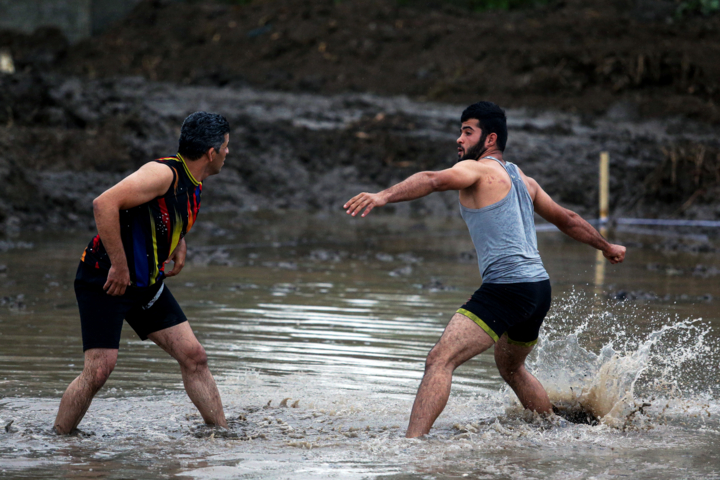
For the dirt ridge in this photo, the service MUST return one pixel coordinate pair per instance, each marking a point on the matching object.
(575, 55)
(642, 88)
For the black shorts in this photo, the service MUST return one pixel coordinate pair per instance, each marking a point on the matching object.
(147, 309)
(517, 309)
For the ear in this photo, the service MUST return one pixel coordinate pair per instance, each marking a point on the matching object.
(210, 153)
(491, 140)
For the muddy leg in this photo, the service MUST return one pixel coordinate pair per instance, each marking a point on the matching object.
(180, 342)
(462, 340)
(510, 360)
(99, 363)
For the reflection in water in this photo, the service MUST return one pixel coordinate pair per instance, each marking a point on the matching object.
(318, 346)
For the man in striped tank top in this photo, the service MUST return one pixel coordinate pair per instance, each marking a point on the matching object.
(142, 222)
(498, 202)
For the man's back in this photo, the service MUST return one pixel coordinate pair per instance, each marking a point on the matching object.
(493, 183)
(503, 231)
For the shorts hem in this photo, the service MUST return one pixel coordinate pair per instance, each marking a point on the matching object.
(144, 335)
(480, 323)
(110, 347)
(521, 344)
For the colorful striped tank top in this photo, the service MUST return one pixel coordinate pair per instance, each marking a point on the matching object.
(151, 231)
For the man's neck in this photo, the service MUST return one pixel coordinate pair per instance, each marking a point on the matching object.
(198, 168)
(495, 153)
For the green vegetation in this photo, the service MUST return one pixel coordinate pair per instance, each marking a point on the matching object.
(472, 5)
(695, 7)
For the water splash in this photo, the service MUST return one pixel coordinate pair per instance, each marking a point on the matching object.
(612, 360)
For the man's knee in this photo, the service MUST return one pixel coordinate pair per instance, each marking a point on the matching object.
(506, 373)
(510, 360)
(437, 359)
(510, 373)
(97, 373)
(194, 358)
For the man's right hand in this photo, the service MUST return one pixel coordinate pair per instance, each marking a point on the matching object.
(614, 253)
(364, 200)
(117, 281)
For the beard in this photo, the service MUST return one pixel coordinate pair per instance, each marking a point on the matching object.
(476, 151)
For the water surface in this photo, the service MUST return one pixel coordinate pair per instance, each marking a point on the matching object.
(317, 328)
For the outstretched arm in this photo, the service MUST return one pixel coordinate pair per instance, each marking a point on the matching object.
(462, 175)
(572, 224)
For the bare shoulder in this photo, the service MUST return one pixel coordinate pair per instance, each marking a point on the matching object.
(153, 179)
(468, 165)
(522, 174)
(478, 169)
(156, 169)
(149, 181)
(530, 183)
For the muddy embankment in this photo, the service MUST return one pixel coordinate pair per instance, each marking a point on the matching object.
(75, 119)
(68, 139)
(571, 55)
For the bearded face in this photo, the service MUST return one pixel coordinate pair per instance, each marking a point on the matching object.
(474, 152)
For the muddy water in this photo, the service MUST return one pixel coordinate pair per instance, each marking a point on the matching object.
(317, 328)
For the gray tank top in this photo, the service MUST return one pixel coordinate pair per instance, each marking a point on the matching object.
(504, 235)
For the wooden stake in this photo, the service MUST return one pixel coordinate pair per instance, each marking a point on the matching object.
(604, 186)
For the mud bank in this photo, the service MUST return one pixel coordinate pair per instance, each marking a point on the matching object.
(572, 55)
(312, 152)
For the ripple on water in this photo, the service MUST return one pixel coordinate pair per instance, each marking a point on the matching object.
(320, 386)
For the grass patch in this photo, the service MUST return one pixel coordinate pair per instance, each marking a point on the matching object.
(697, 7)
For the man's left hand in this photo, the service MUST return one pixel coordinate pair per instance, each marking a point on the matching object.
(615, 253)
(178, 257)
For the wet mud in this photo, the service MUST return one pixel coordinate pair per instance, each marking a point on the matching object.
(313, 152)
(634, 58)
(642, 295)
(311, 91)
(575, 414)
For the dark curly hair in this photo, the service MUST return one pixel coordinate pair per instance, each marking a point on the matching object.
(201, 131)
(491, 119)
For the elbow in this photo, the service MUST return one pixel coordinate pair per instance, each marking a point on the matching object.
(435, 181)
(100, 204)
(568, 220)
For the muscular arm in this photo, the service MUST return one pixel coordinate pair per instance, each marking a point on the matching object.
(150, 181)
(462, 175)
(572, 224)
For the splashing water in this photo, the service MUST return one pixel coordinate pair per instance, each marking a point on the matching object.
(643, 358)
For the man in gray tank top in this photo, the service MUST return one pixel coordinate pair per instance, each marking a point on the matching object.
(497, 201)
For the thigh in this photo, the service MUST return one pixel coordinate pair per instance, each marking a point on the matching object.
(101, 315)
(157, 312)
(510, 356)
(179, 341)
(461, 340)
(526, 334)
(496, 308)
